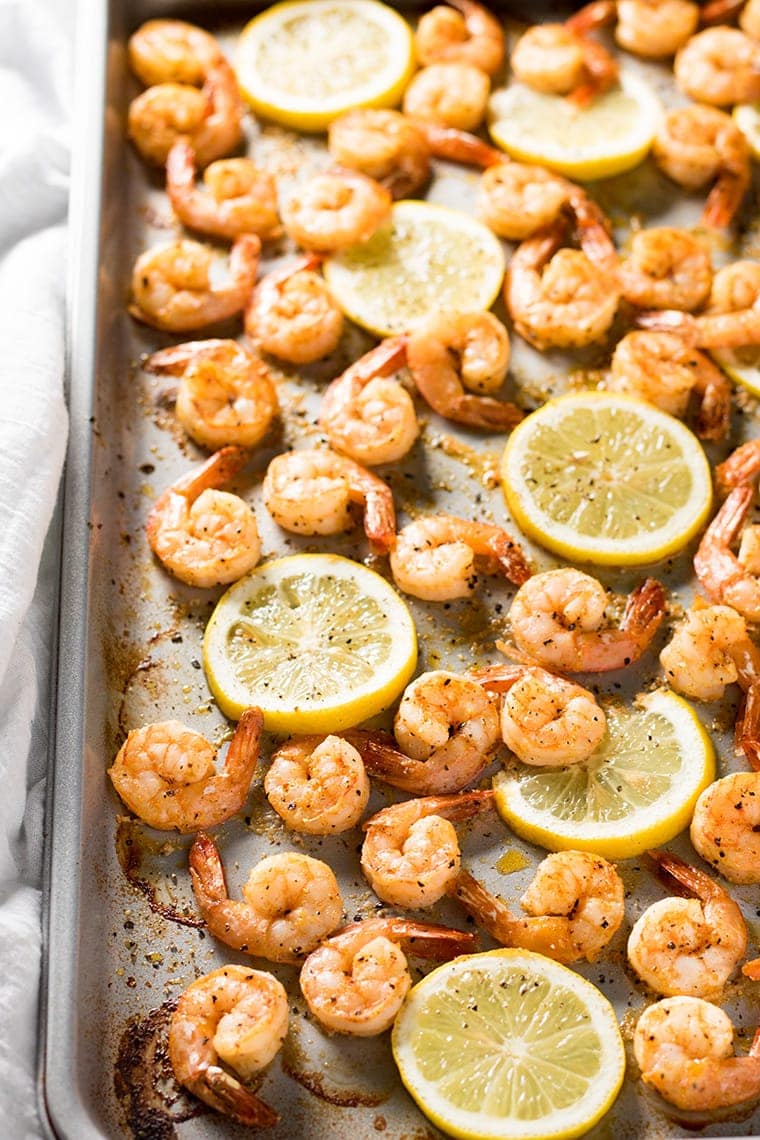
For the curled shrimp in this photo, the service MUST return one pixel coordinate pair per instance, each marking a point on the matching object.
(225, 395)
(237, 197)
(463, 32)
(741, 468)
(726, 576)
(725, 828)
(545, 719)
(732, 316)
(335, 209)
(356, 981)
(659, 368)
(204, 536)
(290, 902)
(449, 352)
(292, 315)
(557, 621)
(317, 784)
(234, 1017)
(410, 853)
(710, 649)
(696, 146)
(165, 774)
(688, 945)
(172, 51)
(667, 269)
(366, 413)
(516, 200)
(720, 66)
(653, 29)
(574, 907)
(172, 288)
(684, 1047)
(437, 558)
(312, 492)
(561, 59)
(450, 94)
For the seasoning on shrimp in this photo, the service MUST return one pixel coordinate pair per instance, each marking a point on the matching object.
(563, 59)
(516, 200)
(731, 579)
(451, 94)
(732, 316)
(335, 209)
(317, 784)
(291, 313)
(462, 31)
(667, 268)
(725, 828)
(237, 197)
(719, 66)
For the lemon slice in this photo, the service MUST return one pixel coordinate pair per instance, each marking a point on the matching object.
(610, 135)
(747, 119)
(426, 259)
(741, 364)
(509, 1044)
(304, 62)
(318, 642)
(606, 478)
(636, 791)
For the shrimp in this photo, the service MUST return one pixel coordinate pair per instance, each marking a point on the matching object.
(366, 413)
(237, 198)
(557, 616)
(720, 66)
(447, 727)
(741, 468)
(292, 314)
(204, 536)
(688, 945)
(317, 784)
(172, 51)
(356, 981)
(545, 719)
(450, 351)
(699, 145)
(725, 828)
(721, 572)
(732, 316)
(659, 368)
(225, 395)
(655, 29)
(311, 492)
(450, 94)
(410, 853)
(562, 60)
(709, 650)
(165, 774)
(436, 558)
(172, 288)
(749, 19)
(335, 209)
(290, 902)
(575, 905)
(667, 269)
(236, 1016)
(516, 200)
(462, 32)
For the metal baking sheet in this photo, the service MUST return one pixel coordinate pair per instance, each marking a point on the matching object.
(122, 936)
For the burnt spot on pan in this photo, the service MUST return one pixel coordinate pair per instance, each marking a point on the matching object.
(134, 851)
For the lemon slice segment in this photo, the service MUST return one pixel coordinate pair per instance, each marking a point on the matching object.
(425, 260)
(610, 135)
(747, 119)
(636, 791)
(606, 478)
(318, 642)
(509, 1044)
(741, 364)
(304, 62)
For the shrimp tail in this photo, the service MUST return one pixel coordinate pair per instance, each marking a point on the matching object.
(593, 231)
(725, 198)
(644, 612)
(421, 777)
(461, 805)
(489, 911)
(243, 752)
(497, 678)
(207, 872)
(244, 258)
(718, 12)
(594, 15)
(459, 146)
(670, 320)
(747, 735)
(714, 416)
(741, 468)
(713, 562)
(176, 358)
(478, 411)
(225, 1093)
(431, 941)
(691, 880)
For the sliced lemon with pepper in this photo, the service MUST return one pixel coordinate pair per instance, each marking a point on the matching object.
(304, 62)
(509, 1045)
(317, 641)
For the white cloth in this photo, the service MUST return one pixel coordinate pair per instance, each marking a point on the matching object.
(36, 39)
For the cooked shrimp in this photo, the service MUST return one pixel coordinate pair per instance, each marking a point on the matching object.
(210, 119)
(237, 198)
(655, 29)
(516, 200)
(450, 351)
(749, 19)
(469, 34)
(335, 209)
(741, 468)
(172, 288)
(721, 572)
(290, 902)
(667, 269)
(165, 774)
(204, 536)
(699, 145)
(709, 650)
(720, 66)
(356, 981)
(545, 719)
(450, 94)
(732, 317)
(562, 60)
(366, 413)
(725, 829)
(172, 51)
(411, 852)
(317, 784)
(437, 558)
(752, 969)
(225, 395)
(236, 1016)
(688, 945)
(575, 905)
(312, 491)
(292, 314)
(557, 618)
(659, 368)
